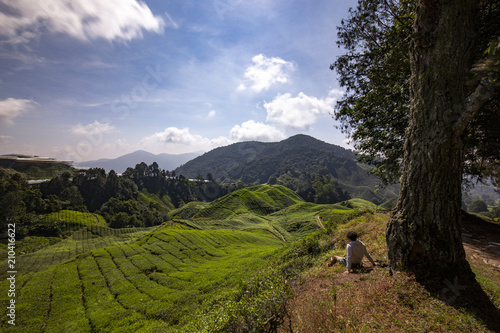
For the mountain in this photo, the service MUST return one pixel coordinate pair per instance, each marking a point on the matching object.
(120, 164)
(292, 162)
(255, 162)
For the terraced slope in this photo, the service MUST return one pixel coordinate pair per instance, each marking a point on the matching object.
(259, 200)
(81, 241)
(153, 280)
(148, 284)
(272, 208)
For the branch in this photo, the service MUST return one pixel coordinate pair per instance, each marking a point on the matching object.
(476, 100)
(395, 15)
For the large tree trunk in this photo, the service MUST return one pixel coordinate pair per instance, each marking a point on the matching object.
(424, 233)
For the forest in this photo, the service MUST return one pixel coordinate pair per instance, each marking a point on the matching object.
(141, 197)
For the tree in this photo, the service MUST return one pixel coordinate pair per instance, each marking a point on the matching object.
(73, 196)
(418, 75)
(120, 220)
(91, 183)
(11, 199)
(375, 71)
(327, 190)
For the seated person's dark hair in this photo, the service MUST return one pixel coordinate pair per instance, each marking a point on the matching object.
(352, 235)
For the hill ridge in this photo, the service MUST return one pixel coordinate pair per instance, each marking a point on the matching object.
(293, 162)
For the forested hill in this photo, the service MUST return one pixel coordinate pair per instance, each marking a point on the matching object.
(295, 162)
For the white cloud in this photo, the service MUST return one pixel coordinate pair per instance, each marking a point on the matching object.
(211, 114)
(82, 19)
(171, 22)
(92, 129)
(11, 108)
(5, 138)
(173, 135)
(299, 112)
(265, 72)
(175, 138)
(251, 130)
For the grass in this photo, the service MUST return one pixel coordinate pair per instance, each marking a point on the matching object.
(376, 303)
(253, 269)
(81, 241)
(151, 283)
(489, 279)
(325, 300)
(154, 279)
(274, 209)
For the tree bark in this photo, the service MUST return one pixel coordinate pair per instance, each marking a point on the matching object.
(424, 233)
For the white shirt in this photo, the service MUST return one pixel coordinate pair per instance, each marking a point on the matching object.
(355, 252)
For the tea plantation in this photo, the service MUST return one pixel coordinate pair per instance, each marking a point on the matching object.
(155, 279)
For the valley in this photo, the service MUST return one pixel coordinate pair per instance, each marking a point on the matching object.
(151, 250)
(150, 279)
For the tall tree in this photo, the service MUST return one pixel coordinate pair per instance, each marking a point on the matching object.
(423, 235)
(417, 78)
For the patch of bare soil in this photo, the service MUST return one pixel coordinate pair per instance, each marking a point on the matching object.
(481, 240)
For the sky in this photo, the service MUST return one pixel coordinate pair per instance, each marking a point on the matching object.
(88, 79)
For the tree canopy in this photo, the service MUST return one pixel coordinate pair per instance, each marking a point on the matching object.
(421, 104)
(375, 73)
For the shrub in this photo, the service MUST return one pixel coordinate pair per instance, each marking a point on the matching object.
(478, 206)
(259, 306)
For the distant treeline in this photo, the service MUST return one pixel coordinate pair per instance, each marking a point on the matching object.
(140, 197)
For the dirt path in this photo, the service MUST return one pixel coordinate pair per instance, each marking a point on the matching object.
(320, 222)
(279, 233)
(481, 240)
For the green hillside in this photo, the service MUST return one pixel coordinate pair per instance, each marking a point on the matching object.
(260, 200)
(273, 208)
(154, 279)
(151, 283)
(256, 162)
(294, 162)
(80, 241)
(224, 266)
(75, 220)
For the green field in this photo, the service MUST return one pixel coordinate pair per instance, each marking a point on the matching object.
(154, 279)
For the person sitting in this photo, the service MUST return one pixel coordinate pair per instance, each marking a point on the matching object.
(355, 250)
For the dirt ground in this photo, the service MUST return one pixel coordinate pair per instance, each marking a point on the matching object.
(481, 240)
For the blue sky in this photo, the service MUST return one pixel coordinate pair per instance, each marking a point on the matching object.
(91, 79)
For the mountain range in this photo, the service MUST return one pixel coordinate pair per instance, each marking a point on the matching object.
(120, 164)
(292, 162)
